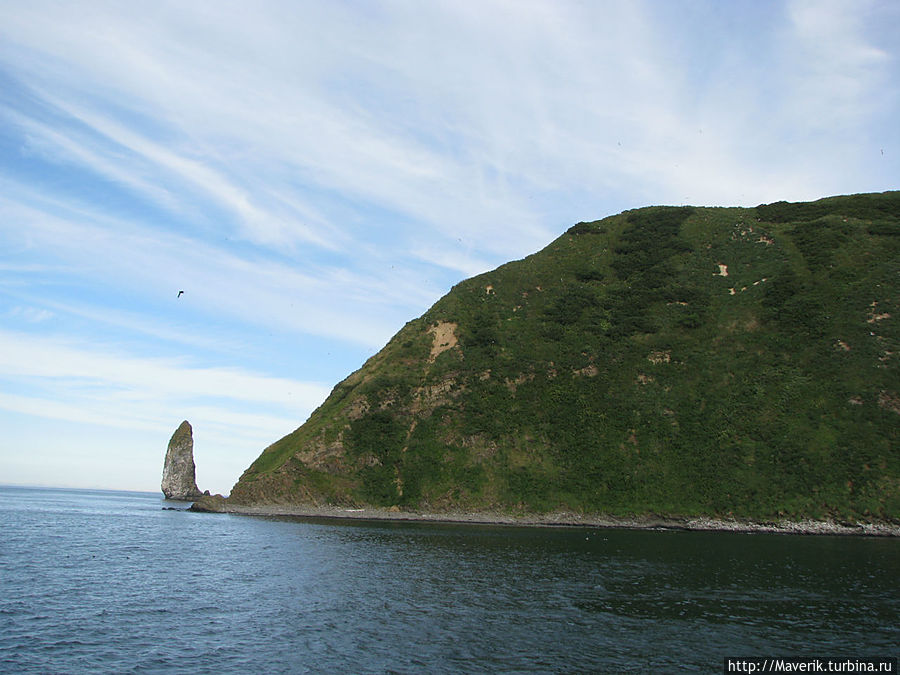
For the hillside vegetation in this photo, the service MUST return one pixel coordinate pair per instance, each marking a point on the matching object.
(668, 360)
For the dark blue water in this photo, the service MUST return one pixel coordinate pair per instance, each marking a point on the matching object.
(110, 582)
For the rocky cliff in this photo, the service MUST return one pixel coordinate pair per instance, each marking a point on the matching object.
(179, 473)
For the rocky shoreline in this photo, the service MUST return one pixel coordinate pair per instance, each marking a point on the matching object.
(218, 504)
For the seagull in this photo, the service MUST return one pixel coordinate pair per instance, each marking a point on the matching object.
(180, 293)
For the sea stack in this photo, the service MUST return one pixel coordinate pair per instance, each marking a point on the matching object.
(179, 479)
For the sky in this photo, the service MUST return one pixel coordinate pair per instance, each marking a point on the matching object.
(314, 174)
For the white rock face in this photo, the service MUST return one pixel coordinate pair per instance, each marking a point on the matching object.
(179, 480)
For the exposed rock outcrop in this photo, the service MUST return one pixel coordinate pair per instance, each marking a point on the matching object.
(179, 473)
(210, 504)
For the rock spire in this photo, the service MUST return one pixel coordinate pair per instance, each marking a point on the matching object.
(179, 474)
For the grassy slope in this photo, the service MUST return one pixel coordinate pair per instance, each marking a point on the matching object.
(620, 371)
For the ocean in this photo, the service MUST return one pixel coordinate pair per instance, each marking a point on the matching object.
(114, 582)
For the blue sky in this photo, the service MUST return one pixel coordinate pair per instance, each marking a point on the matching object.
(314, 174)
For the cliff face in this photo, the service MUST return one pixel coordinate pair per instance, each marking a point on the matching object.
(179, 473)
(707, 361)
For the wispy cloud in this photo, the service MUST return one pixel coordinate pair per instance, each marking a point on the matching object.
(320, 299)
(836, 69)
(96, 385)
(31, 314)
(24, 355)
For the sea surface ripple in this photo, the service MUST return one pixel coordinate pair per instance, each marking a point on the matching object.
(111, 582)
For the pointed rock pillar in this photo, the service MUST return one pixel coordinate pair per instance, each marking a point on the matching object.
(179, 479)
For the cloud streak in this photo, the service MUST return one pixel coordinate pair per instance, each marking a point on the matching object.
(29, 357)
(263, 291)
(239, 411)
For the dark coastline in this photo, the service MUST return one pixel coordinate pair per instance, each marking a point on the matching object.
(217, 504)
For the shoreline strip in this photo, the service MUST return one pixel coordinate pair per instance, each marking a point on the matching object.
(559, 519)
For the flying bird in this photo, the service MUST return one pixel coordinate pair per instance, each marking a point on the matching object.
(180, 293)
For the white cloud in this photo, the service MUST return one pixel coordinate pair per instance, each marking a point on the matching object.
(321, 300)
(269, 121)
(454, 258)
(448, 113)
(59, 147)
(31, 314)
(837, 76)
(98, 392)
(87, 369)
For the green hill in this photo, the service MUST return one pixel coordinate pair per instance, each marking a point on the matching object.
(681, 361)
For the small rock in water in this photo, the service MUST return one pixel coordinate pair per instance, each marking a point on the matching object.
(209, 504)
